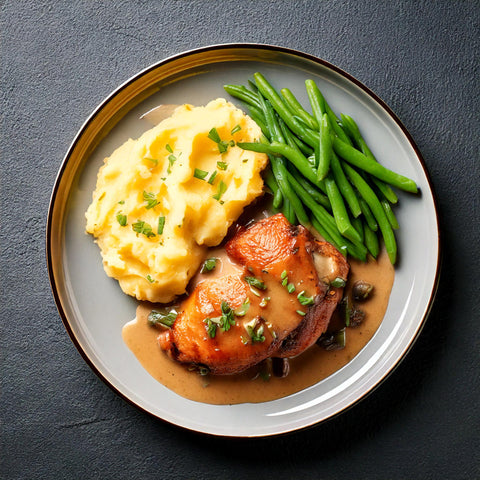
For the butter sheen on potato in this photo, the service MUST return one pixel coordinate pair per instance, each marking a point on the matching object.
(152, 218)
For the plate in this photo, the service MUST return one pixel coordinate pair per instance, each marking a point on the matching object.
(94, 309)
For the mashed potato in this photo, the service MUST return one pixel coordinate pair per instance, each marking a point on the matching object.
(161, 200)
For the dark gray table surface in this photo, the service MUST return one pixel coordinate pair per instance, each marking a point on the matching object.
(59, 60)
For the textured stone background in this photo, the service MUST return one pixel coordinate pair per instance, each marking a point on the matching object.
(59, 59)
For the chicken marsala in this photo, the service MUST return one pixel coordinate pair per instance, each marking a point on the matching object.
(277, 306)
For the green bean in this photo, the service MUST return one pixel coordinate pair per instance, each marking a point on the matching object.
(272, 126)
(325, 148)
(317, 102)
(345, 187)
(357, 158)
(369, 196)
(371, 241)
(358, 225)
(288, 211)
(335, 126)
(389, 213)
(340, 212)
(277, 103)
(357, 250)
(368, 215)
(280, 172)
(259, 120)
(326, 236)
(273, 186)
(353, 132)
(317, 194)
(297, 109)
(289, 152)
(242, 93)
(278, 165)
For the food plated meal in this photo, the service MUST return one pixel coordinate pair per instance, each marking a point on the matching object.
(162, 200)
(99, 316)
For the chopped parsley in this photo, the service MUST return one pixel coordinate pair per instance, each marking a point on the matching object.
(171, 160)
(150, 279)
(222, 188)
(224, 322)
(121, 219)
(158, 318)
(168, 148)
(255, 282)
(264, 302)
(221, 144)
(338, 283)
(143, 228)
(212, 177)
(151, 200)
(153, 160)
(255, 335)
(209, 265)
(161, 225)
(211, 327)
(290, 288)
(222, 165)
(243, 308)
(201, 174)
(303, 299)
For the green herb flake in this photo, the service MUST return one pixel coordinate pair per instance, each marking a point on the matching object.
(222, 165)
(302, 313)
(290, 288)
(153, 160)
(121, 219)
(303, 299)
(169, 148)
(143, 228)
(212, 177)
(214, 136)
(159, 318)
(211, 327)
(284, 275)
(222, 188)
(171, 160)
(243, 309)
(150, 279)
(201, 174)
(227, 319)
(245, 160)
(151, 199)
(264, 302)
(285, 282)
(255, 282)
(121, 202)
(209, 265)
(221, 144)
(255, 335)
(338, 283)
(236, 129)
(161, 225)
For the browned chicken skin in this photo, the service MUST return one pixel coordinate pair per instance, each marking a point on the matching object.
(276, 306)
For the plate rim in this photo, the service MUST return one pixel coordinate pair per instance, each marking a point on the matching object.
(252, 47)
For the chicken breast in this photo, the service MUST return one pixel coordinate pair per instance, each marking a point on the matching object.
(277, 304)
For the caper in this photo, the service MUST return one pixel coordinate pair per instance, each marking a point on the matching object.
(361, 290)
(356, 317)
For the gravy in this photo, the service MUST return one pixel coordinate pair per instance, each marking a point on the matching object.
(307, 369)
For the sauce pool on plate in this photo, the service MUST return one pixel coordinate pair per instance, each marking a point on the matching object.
(253, 385)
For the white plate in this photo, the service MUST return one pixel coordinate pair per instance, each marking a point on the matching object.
(94, 309)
